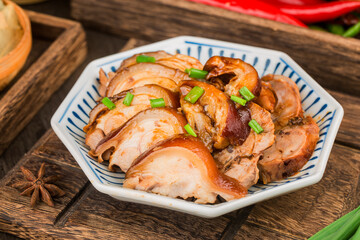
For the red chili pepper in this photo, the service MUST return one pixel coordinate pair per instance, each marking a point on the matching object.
(293, 2)
(320, 12)
(255, 8)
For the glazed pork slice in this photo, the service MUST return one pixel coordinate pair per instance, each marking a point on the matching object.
(294, 145)
(177, 61)
(214, 116)
(103, 120)
(132, 60)
(267, 97)
(240, 162)
(182, 167)
(104, 81)
(244, 170)
(231, 74)
(142, 74)
(123, 145)
(288, 101)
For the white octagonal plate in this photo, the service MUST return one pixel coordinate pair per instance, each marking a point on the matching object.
(73, 115)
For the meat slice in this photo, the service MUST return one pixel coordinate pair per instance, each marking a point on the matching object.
(182, 167)
(234, 74)
(104, 81)
(132, 60)
(181, 62)
(294, 145)
(214, 116)
(103, 120)
(245, 170)
(240, 162)
(142, 74)
(288, 105)
(123, 145)
(177, 61)
(267, 97)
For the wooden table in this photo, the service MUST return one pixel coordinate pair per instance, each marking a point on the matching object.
(41, 122)
(88, 213)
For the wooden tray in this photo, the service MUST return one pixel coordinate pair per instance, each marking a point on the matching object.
(43, 73)
(85, 213)
(332, 60)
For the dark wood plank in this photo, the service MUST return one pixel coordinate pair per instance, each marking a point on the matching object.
(129, 221)
(41, 121)
(17, 217)
(26, 97)
(294, 216)
(304, 212)
(53, 148)
(97, 215)
(256, 232)
(117, 218)
(330, 59)
(349, 132)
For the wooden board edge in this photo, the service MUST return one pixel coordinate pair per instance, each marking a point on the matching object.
(49, 20)
(71, 44)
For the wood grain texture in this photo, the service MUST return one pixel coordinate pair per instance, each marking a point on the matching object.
(93, 215)
(123, 220)
(16, 215)
(256, 232)
(41, 121)
(304, 212)
(349, 134)
(298, 215)
(26, 97)
(119, 220)
(330, 59)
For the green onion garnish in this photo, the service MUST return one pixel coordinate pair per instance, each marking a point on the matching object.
(159, 102)
(339, 226)
(352, 31)
(107, 102)
(194, 94)
(190, 130)
(196, 73)
(255, 126)
(245, 92)
(238, 100)
(128, 99)
(144, 58)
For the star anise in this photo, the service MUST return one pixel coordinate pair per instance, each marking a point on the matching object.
(39, 186)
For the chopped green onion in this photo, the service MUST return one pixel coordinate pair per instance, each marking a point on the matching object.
(128, 99)
(352, 31)
(338, 226)
(245, 92)
(238, 100)
(107, 102)
(348, 229)
(196, 73)
(256, 126)
(356, 235)
(194, 94)
(144, 58)
(190, 130)
(159, 102)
